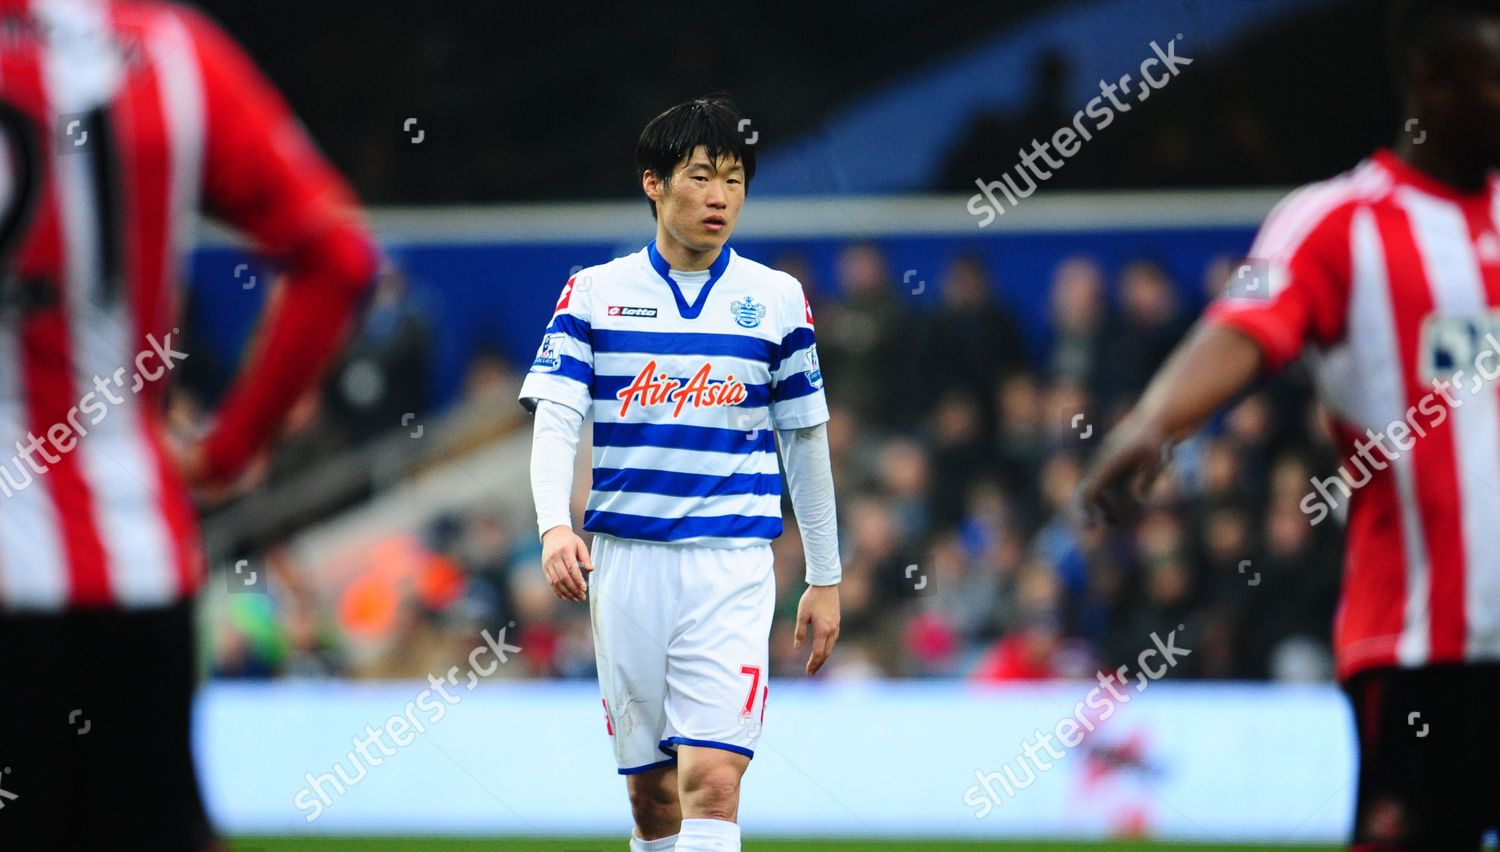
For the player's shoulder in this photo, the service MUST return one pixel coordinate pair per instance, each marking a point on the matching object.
(1324, 206)
(613, 273)
(773, 280)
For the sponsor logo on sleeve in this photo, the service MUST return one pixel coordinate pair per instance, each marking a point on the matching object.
(814, 372)
(547, 357)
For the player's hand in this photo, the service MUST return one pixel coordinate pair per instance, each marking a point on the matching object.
(1121, 475)
(191, 461)
(564, 558)
(819, 608)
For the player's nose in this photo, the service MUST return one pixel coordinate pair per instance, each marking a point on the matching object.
(717, 198)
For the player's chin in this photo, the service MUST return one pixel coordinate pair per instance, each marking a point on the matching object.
(714, 236)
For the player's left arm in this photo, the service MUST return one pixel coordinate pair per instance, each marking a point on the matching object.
(799, 413)
(263, 176)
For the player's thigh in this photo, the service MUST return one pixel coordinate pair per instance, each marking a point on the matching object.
(718, 665)
(630, 612)
(1417, 731)
(38, 763)
(143, 716)
(709, 781)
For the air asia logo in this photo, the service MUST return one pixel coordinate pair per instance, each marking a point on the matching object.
(647, 390)
(622, 311)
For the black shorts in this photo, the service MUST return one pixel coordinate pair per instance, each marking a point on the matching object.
(1429, 740)
(95, 743)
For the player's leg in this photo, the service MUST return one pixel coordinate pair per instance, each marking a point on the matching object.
(717, 669)
(631, 610)
(38, 769)
(141, 715)
(655, 807)
(709, 784)
(1416, 732)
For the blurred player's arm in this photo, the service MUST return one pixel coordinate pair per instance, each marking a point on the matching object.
(554, 450)
(263, 176)
(1300, 295)
(1216, 364)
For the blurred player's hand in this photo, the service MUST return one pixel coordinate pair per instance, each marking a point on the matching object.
(192, 465)
(1121, 475)
(564, 558)
(819, 608)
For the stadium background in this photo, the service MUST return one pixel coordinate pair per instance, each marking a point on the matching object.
(971, 372)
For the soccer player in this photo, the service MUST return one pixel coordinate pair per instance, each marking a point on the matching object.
(1390, 273)
(118, 121)
(695, 362)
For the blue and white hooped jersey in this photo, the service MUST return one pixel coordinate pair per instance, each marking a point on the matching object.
(685, 396)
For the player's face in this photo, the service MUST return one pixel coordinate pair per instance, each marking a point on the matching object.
(701, 203)
(1475, 92)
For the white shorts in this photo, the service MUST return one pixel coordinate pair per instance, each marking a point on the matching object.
(681, 636)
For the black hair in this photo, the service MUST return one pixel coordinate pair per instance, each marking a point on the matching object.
(712, 121)
(1424, 32)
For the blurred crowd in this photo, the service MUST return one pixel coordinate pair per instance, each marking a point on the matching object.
(958, 440)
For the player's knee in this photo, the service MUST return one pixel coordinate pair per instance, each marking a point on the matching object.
(656, 810)
(712, 792)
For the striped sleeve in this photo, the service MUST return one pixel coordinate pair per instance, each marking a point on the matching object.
(563, 370)
(797, 399)
(1293, 289)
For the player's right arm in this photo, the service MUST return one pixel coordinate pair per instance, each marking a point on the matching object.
(1243, 337)
(557, 391)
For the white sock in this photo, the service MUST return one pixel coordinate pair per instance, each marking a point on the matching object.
(708, 835)
(660, 845)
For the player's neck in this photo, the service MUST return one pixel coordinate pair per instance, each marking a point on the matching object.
(1443, 165)
(682, 258)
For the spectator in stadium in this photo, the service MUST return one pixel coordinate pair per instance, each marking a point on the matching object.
(1149, 324)
(970, 342)
(1080, 320)
(383, 374)
(863, 340)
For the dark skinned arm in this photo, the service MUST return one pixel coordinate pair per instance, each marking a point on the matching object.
(1212, 367)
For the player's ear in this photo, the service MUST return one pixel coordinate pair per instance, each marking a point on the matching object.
(651, 185)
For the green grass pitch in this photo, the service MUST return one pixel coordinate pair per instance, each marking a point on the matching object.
(614, 844)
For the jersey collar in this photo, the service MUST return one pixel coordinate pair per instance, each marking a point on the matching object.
(664, 270)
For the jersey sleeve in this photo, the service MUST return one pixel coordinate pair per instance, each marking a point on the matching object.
(1294, 287)
(563, 370)
(262, 173)
(263, 176)
(797, 399)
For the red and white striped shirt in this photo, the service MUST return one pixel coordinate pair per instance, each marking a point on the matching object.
(136, 115)
(1392, 279)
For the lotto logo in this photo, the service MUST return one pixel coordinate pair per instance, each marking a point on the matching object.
(623, 311)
